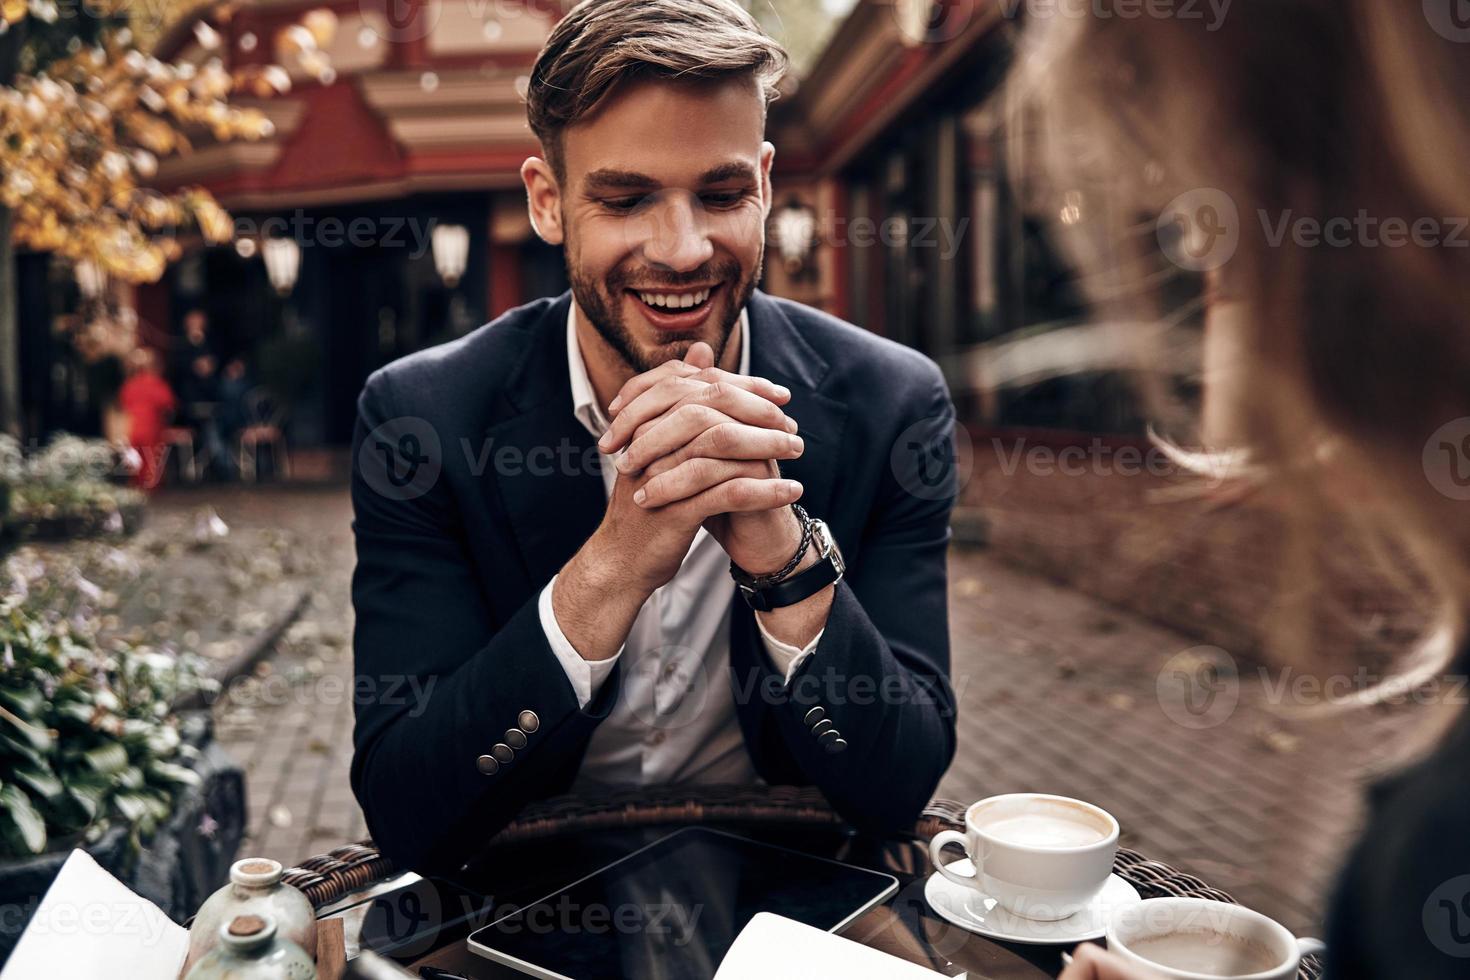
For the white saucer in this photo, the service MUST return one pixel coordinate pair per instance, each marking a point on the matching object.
(971, 909)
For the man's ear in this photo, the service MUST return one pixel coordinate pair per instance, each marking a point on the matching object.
(543, 198)
(768, 157)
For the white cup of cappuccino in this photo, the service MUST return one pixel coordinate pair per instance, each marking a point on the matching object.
(1199, 939)
(1039, 856)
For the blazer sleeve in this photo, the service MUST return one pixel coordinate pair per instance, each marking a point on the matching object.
(869, 718)
(439, 683)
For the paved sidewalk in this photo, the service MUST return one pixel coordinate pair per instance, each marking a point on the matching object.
(1059, 693)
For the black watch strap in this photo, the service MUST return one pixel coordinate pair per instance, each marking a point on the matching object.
(804, 584)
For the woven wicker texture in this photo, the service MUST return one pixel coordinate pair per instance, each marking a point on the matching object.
(329, 877)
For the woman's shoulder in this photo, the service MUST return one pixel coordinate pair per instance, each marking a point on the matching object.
(1403, 903)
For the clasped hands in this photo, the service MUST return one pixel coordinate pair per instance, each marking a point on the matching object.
(701, 448)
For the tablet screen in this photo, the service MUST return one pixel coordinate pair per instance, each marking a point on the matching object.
(674, 908)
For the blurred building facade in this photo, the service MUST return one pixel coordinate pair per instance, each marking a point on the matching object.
(899, 199)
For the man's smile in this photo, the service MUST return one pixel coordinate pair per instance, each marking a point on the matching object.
(677, 310)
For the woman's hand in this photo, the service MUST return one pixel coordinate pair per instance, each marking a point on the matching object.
(1092, 962)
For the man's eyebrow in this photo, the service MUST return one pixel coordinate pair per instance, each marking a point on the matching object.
(610, 179)
(727, 172)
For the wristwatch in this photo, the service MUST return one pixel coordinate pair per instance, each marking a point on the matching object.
(764, 595)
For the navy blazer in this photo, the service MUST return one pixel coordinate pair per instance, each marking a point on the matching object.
(473, 484)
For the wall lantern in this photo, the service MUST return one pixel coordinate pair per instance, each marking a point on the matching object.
(451, 247)
(91, 280)
(795, 231)
(282, 263)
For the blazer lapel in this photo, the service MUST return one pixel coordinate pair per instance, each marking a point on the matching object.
(546, 464)
(779, 352)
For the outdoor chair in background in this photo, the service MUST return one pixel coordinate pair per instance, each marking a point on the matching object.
(266, 429)
(178, 441)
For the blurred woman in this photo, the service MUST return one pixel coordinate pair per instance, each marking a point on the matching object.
(149, 403)
(1307, 155)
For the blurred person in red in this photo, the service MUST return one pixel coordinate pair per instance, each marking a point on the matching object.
(149, 403)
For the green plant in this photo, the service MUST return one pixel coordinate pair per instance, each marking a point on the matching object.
(88, 740)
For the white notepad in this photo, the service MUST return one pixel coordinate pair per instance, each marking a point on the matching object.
(773, 947)
(92, 925)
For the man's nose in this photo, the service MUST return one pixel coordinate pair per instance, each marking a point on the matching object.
(677, 237)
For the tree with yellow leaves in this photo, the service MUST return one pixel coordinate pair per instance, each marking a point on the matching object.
(85, 116)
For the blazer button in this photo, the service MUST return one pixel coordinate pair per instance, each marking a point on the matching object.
(822, 727)
(529, 722)
(488, 765)
(515, 738)
(813, 716)
(502, 752)
(826, 740)
(837, 746)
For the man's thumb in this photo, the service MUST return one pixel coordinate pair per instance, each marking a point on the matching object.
(701, 356)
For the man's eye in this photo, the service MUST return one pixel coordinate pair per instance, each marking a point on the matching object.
(725, 199)
(623, 205)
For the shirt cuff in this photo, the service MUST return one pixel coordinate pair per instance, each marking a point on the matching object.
(587, 676)
(787, 658)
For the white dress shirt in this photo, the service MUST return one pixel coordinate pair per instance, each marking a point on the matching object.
(675, 718)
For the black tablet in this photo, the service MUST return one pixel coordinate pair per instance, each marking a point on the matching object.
(674, 908)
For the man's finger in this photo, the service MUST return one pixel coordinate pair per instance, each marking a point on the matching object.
(671, 391)
(764, 387)
(742, 495)
(647, 407)
(636, 386)
(728, 440)
(715, 406)
(696, 476)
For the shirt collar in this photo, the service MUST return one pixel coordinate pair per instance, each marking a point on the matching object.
(584, 398)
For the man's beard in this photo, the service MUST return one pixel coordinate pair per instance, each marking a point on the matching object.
(602, 303)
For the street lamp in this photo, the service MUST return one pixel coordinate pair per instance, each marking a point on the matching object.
(282, 263)
(451, 247)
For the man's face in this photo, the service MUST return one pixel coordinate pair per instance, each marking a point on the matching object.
(663, 210)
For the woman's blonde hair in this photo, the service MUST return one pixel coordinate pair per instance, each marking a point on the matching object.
(1349, 369)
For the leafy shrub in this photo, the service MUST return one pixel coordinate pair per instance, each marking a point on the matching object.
(72, 482)
(88, 740)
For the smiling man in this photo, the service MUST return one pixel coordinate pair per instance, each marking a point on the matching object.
(663, 530)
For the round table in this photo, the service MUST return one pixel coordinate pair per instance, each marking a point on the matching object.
(420, 922)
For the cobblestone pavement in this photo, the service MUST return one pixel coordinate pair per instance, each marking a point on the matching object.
(1058, 693)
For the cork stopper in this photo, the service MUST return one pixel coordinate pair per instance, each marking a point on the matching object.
(246, 925)
(248, 933)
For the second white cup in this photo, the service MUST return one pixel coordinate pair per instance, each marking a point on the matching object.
(1039, 856)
